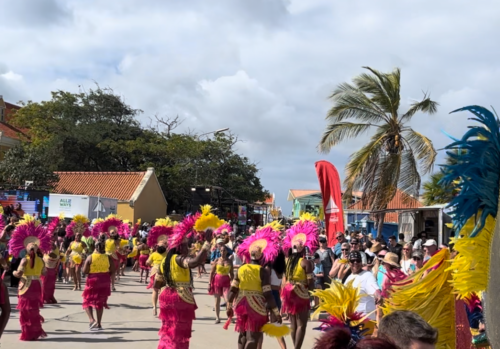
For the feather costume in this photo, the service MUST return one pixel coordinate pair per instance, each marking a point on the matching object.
(183, 231)
(27, 234)
(207, 220)
(304, 232)
(265, 240)
(79, 225)
(54, 223)
(113, 222)
(475, 211)
(340, 302)
(162, 229)
(223, 229)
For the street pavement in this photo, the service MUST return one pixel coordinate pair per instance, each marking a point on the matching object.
(128, 324)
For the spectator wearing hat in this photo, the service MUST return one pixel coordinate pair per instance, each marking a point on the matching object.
(367, 285)
(430, 249)
(422, 238)
(355, 246)
(216, 253)
(393, 272)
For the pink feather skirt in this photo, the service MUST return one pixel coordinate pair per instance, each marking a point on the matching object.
(29, 305)
(176, 320)
(142, 261)
(97, 290)
(49, 286)
(220, 285)
(247, 318)
(292, 303)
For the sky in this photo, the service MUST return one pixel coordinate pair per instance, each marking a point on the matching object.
(263, 68)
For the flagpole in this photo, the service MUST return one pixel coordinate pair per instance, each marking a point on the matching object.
(98, 203)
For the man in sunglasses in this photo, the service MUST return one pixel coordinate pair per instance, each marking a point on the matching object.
(355, 246)
(337, 249)
(367, 286)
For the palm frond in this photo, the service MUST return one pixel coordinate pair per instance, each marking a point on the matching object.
(336, 133)
(426, 105)
(350, 102)
(409, 179)
(384, 88)
(422, 147)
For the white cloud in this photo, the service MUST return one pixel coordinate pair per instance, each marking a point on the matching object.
(264, 68)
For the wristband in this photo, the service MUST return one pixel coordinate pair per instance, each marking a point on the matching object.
(206, 246)
(185, 263)
(21, 268)
(229, 306)
(275, 311)
(266, 288)
(235, 284)
(310, 276)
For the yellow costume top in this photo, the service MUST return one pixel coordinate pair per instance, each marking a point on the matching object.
(223, 269)
(299, 274)
(77, 247)
(155, 259)
(100, 263)
(145, 252)
(250, 285)
(37, 267)
(110, 246)
(181, 278)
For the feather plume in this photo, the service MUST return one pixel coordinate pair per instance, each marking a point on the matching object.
(97, 227)
(266, 239)
(276, 330)
(53, 225)
(79, 225)
(136, 227)
(275, 225)
(304, 232)
(113, 221)
(162, 229)
(431, 297)
(224, 228)
(477, 164)
(26, 232)
(207, 220)
(182, 231)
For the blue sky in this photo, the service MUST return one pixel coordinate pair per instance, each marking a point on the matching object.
(264, 68)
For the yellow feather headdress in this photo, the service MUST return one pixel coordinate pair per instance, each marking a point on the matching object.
(207, 220)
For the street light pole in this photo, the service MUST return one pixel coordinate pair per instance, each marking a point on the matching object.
(198, 138)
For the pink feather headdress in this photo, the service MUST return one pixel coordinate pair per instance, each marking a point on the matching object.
(304, 233)
(265, 240)
(162, 229)
(2, 222)
(183, 231)
(29, 233)
(136, 227)
(53, 225)
(111, 222)
(79, 224)
(224, 228)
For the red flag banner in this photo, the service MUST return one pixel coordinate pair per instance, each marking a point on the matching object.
(329, 182)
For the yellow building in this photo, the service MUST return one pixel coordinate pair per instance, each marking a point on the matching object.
(139, 193)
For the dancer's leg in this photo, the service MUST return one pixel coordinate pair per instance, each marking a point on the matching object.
(302, 319)
(99, 316)
(293, 327)
(155, 301)
(217, 308)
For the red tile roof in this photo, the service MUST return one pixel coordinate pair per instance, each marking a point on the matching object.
(6, 128)
(396, 203)
(116, 185)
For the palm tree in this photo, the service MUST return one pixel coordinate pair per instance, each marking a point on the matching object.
(435, 193)
(395, 153)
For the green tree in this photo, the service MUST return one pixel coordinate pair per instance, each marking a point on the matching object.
(435, 192)
(396, 155)
(28, 163)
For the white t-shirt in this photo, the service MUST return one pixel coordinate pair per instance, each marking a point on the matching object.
(368, 286)
(405, 265)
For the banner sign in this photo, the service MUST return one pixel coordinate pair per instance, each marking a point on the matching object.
(329, 182)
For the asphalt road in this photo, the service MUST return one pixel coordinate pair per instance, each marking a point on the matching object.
(128, 324)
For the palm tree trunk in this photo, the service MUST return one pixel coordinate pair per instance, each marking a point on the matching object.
(380, 223)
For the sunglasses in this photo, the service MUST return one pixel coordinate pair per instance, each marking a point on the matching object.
(381, 256)
(406, 249)
(354, 243)
(355, 261)
(416, 258)
(322, 241)
(344, 249)
(339, 237)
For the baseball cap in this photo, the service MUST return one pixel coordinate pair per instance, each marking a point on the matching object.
(322, 239)
(355, 255)
(430, 242)
(220, 241)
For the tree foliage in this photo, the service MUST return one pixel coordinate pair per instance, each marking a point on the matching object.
(98, 131)
(396, 155)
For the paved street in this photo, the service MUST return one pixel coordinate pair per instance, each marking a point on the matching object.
(128, 323)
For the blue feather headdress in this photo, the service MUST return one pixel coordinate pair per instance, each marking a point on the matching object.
(478, 168)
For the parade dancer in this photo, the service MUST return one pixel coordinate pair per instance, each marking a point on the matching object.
(113, 228)
(299, 275)
(32, 237)
(98, 267)
(177, 304)
(157, 239)
(144, 252)
(78, 227)
(251, 289)
(51, 261)
(136, 237)
(221, 276)
(4, 298)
